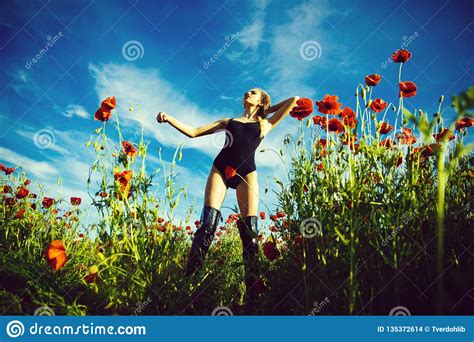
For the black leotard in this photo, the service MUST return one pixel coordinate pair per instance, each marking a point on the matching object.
(238, 153)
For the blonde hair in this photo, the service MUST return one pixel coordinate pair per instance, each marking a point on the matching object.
(263, 109)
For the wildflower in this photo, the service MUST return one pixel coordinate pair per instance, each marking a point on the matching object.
(270, 251)
(442, 134)
(22, 193)
(320, 120)
(384, 128)
(464, 123)
(229, 172)
(401, 56)
(372, 80)
(20, 213)
(329, 105)
(378, 105)
(47, 202)
(129, 149)
(75, 200)
(387, 143)
(334, 125)
(123, 178)
(55, 255)
(262, 215)
(303, 108)
(406, 137)
(407, 89)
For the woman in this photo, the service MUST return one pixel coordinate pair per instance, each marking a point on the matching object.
(234, 167)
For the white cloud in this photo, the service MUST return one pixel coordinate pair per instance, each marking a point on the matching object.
(251, 35)
(40, 169)
(76, 110)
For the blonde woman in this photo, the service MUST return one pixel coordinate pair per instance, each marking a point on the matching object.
(234, 167)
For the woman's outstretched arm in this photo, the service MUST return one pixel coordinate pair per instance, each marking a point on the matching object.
(189, 131)
(281, 110)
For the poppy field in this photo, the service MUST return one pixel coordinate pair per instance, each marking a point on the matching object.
(374, 213)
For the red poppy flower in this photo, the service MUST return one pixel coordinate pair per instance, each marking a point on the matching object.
(348, 117)
(27, 182)
(406, 137)
(384, 128)
(378, 105)
(102, 115)
(20, 213)
(320, 167)
(123, 178)
(9, 201)
(442, 134)
(407, 89)
(109, 103)
(22, 193)
(55, 255)
(76, 200)
(401, 56)
(8, 170)
(372, 80)
(129, 149)
(6, 189)
(329, 105)
(262, 215)
(279, 214)
(47, 202)
(387, 143)
(303, 108)
(103, 194)
(464, 123)
(229, 172)
(270, 251)
(197, 223)
(334, 125)
(321, 142)
(320, 120)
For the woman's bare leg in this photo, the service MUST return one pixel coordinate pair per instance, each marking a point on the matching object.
(247, 195)
(216, 190)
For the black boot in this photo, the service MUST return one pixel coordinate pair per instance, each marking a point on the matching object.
(202, 240)
(248, 230)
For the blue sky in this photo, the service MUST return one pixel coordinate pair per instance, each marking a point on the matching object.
(88, 60)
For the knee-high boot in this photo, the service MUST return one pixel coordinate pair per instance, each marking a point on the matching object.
(202, 240)
(248, 230)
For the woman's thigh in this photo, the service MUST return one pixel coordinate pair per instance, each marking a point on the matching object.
(215, 189)
(248, 195)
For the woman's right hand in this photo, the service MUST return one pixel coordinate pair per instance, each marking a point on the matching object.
(162, 117)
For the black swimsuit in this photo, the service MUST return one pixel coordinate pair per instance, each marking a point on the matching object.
(238, 153)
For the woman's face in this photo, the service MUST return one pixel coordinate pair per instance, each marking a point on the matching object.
(252, 97)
